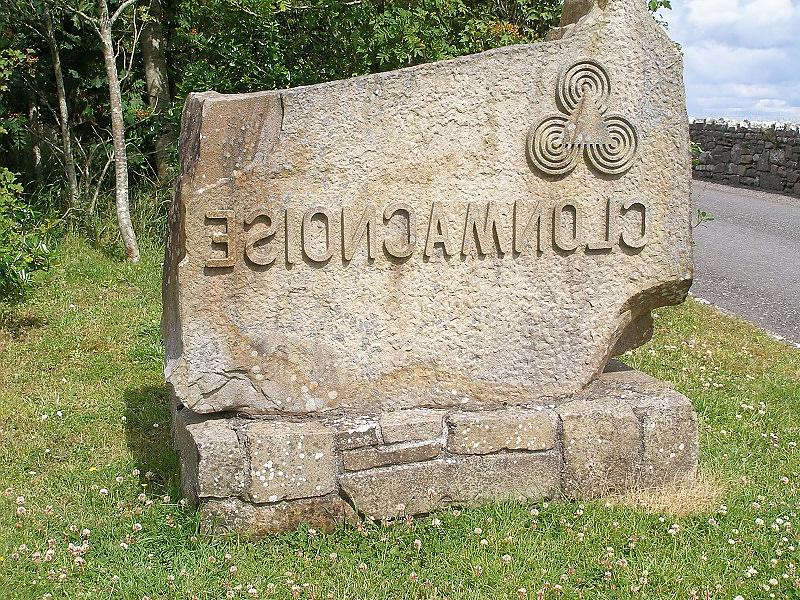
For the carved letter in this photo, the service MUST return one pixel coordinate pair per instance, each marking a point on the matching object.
(316, 255)
(486, 233)
(403, 248)
(562, 239)
(644, 235)
(368, 225)
(438, 232)
(522, 235)
(606, 244)
(290, 239)
(250, 250)
(228, 238)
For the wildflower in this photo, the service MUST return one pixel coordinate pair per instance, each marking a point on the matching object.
(478, 570)
(418, 544)
(436, 522)
(363, 566)
(413, 577)
(484, 542)
(123, 545)
(506, 558)
(20, 500)
(85, 533)
(233, 569)
(522, 592)
(137, 527)
(103, 492)
(478, 531)
(333, 556)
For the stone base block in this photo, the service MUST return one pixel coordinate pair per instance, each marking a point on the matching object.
(271, 473)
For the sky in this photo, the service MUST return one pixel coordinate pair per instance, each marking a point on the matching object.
(741, 57)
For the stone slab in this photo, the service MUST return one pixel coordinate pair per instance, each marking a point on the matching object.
(421, 238)
(231, 515)
(290, 460)
(354, 432)
(485, 432)
(470, 480)
(396, 454)
(410, 425)
(601, 442)
(213, 462)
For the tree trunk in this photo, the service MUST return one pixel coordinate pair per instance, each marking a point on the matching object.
(154, 47)
(66, 137)
(36, 135)
(117, 134)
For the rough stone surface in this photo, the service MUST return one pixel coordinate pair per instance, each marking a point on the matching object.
(511, 429)
(354, 432)
(232, 515)
(752, 154)
(670, 441)
(401, 291)
(469, 480)
(409, 425)
(601, 441)
(397, 454)
(212, 459)
(290, 460)
(342, 310)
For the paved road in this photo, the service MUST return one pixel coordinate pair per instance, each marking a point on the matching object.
(747, 261)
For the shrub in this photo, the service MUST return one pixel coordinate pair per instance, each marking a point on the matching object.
(23, 239)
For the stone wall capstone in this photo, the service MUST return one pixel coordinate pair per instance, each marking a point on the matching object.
(751, 154)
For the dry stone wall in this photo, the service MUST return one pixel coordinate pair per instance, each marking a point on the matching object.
(265, 475)
(759, 155)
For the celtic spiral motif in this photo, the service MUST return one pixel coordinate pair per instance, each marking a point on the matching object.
(582, 77)
(610, 141)
(546, 143)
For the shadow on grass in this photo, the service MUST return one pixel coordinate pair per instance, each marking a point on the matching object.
(147, 433)
(16, 324)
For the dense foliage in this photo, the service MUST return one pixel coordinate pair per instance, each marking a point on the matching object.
(56, 91)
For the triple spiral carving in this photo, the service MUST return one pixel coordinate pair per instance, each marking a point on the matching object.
(610, 140)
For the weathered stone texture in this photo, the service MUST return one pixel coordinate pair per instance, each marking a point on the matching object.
(759, 155)
(601, 440)
(469, 480)
(398, 292)
(213, 463)
(510, 429)
(409, 425)
(293, 285)
(233, 515)
(290, 460)
(354, 432)
(397, 454)
(670, 440)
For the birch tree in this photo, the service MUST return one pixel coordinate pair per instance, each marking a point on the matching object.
(103, 24)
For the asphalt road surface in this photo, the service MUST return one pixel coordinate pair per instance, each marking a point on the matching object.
(747, 260)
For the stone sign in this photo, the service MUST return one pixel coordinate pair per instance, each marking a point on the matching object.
(402, 290)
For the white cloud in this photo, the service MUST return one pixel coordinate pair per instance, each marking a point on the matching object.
(741, 58)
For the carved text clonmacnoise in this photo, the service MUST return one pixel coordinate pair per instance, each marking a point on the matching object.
(264, 236)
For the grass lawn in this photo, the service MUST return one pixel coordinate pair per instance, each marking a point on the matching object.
(91, 508)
